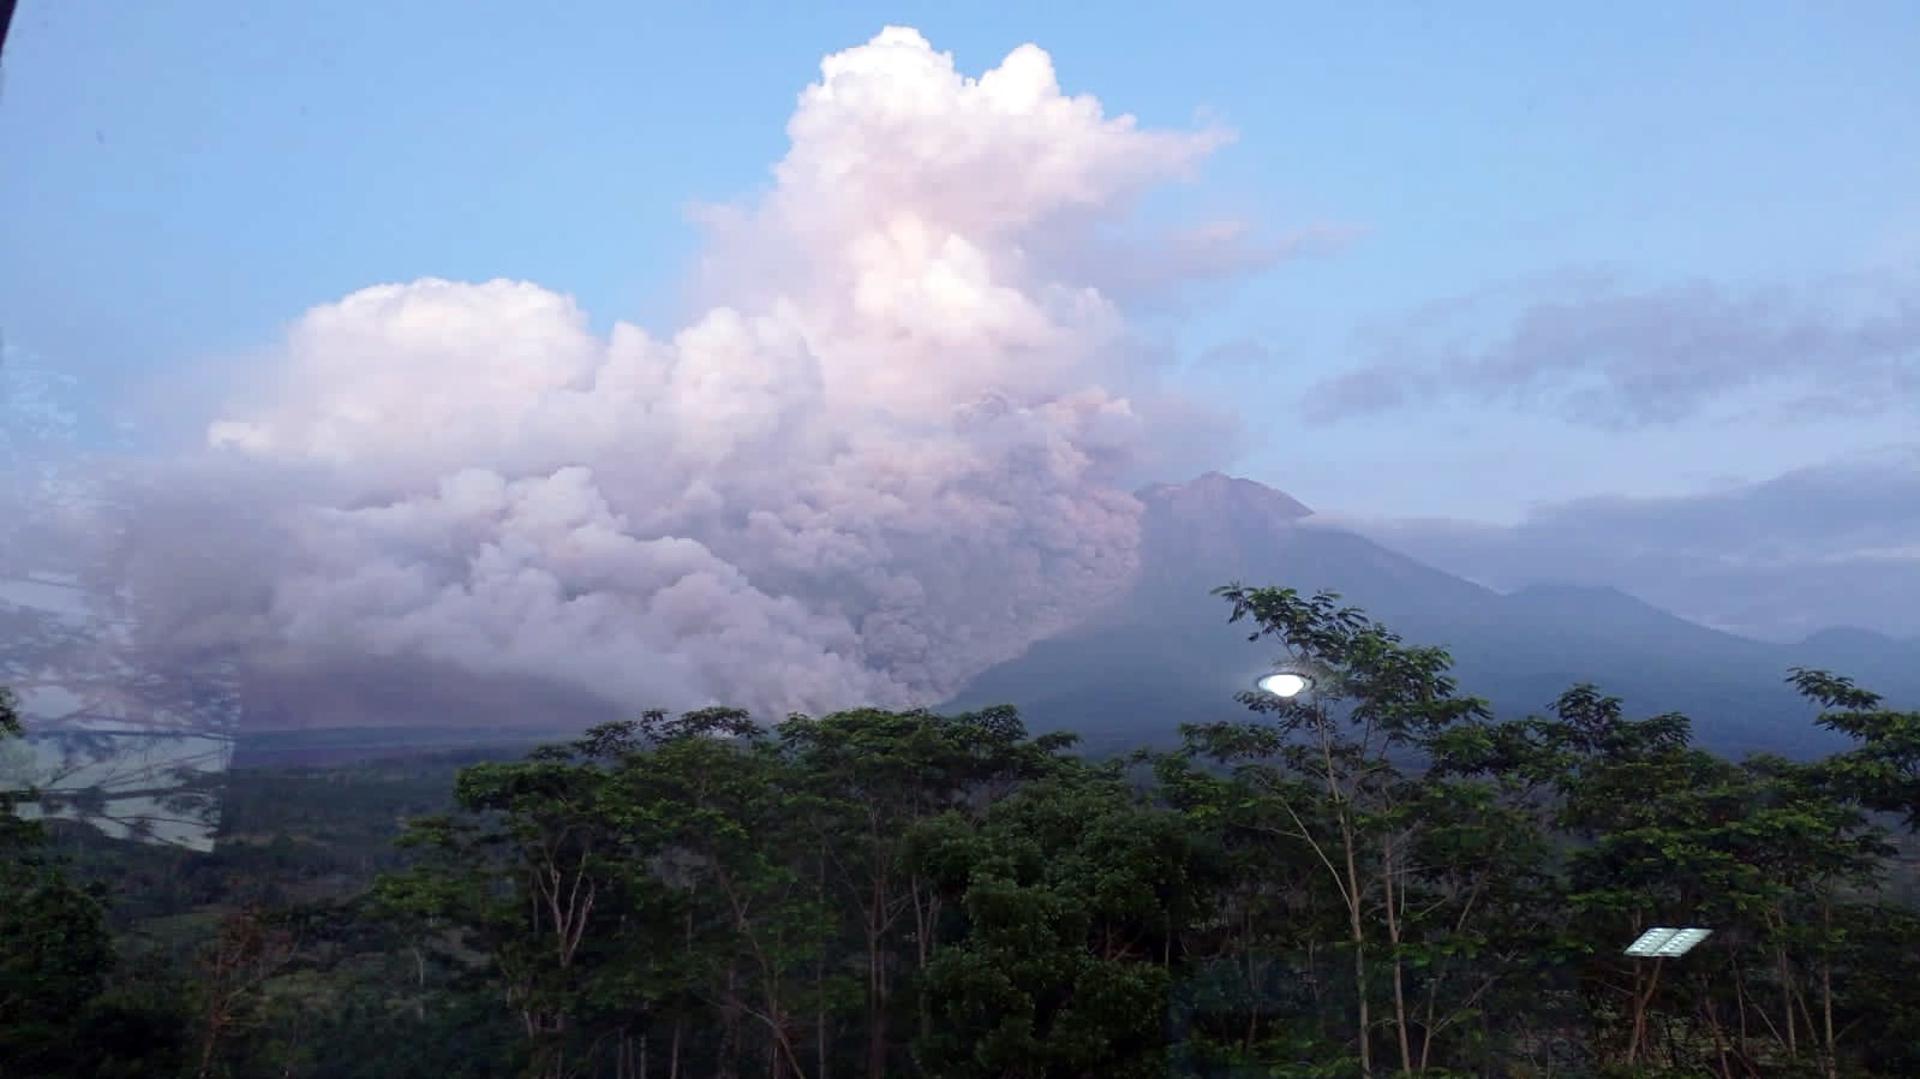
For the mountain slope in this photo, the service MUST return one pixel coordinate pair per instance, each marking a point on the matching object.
(1878, 662)
(1165, 654)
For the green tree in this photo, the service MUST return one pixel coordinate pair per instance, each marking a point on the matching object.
(55, 951)
(1882, 772)
(866, 779)
(1335, 761)
(1069, 895)
(532, 866)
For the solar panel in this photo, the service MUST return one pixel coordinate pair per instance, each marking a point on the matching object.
(1664, 943)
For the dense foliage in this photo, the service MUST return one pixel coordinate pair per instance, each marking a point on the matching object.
(1376, 878)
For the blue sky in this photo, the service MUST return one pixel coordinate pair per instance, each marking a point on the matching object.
(182, 179)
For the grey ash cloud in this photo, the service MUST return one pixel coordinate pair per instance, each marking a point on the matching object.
(1597, 353)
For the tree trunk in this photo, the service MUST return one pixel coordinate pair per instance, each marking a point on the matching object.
(726, 1066)
(1826, 989)
(1253, 1005)
(1633, 1039)
(420, 984)
(1399, 967)
(1786, 1003)
(877, 1046)
(1355, 926)
(1253, 1000)
(876, 984)
(1713, 1024)
(820, 1042)
(1360, 983)
(1426, 1026)
(820, 978)
(1359, 935)
(215, 1026)
(1641, 1001)
(1740, 1001)
(924, 919)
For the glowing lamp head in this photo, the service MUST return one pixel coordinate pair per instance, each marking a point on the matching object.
(1284, 684)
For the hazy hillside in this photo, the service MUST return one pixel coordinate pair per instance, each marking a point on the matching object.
(1166, 654)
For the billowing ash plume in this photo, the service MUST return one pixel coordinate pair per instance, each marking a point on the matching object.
(894, 452)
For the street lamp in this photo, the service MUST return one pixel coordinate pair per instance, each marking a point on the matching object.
(1296, 679)
(1284, 684)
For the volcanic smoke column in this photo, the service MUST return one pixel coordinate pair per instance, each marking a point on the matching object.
(892, 452)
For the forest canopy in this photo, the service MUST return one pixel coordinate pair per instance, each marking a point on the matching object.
(1376, 877)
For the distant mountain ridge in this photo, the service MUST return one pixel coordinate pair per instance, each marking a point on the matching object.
(1165, 653)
